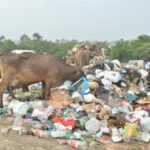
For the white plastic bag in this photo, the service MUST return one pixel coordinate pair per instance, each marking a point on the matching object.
(145, 136)
(19, 108)
(145, 124)
(88, 98)
(107, 83)
(93, 125)
(67, 84)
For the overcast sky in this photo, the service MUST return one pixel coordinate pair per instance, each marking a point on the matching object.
(75, 19)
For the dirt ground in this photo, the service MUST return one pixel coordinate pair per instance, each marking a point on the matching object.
(14, 141)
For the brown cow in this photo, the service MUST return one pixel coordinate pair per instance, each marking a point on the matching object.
(31, 68)
(15, 83)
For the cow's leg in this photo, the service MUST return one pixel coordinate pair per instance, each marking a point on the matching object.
(3, 85)
(47, 90)
(11, 92)
(43, 90)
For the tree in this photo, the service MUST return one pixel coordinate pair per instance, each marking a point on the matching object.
(24, 37)
(144, 38)
(25, 42)
(121, 50)
(7, 45)
(37, 36)
(2, 37)
(133, 49)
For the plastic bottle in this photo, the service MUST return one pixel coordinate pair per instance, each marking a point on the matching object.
(74, 143)
(46, 134)
(42, 133)
(75, 136)
(77, 144)
(57, 134)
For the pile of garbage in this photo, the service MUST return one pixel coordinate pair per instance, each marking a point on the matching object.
(110, 104)
(82, 53)
(86, 46)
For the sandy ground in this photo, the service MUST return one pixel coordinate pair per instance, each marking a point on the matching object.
(14, 141)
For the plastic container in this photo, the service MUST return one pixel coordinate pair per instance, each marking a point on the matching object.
(82, 86)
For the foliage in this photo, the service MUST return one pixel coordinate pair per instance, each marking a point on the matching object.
(133, 49)
(37, 43)
(123, 50)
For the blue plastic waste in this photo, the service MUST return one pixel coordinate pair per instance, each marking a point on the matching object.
(131, 97)
(82, 86)
(6, 91)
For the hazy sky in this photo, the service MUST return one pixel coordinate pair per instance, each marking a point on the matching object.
(75, 19)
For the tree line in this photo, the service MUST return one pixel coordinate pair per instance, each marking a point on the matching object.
(126, 50)
(123, 50)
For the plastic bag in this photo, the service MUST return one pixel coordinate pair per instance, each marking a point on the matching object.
(131, 129)
(67, 84)
(145, 123)
(93, 125)
(19, 108)
(88, 98)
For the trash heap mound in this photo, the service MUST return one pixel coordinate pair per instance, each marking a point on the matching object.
(110, 104)
(82, 53)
